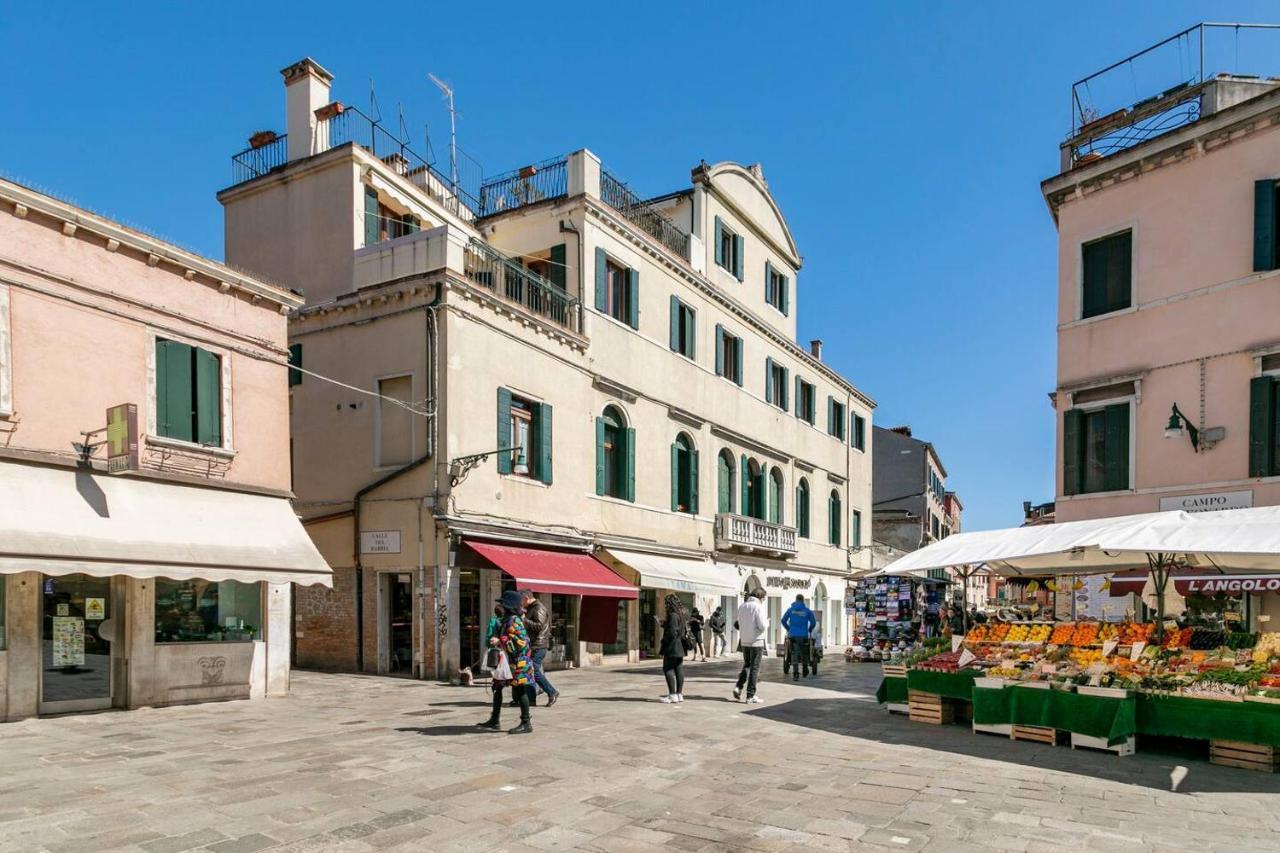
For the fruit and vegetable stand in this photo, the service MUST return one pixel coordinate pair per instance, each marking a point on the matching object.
(1109, 718)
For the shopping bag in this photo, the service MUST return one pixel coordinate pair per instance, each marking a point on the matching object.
(502, 672)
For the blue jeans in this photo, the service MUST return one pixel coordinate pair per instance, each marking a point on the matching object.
(540, 677)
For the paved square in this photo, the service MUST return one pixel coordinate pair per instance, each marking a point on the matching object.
(364, 763)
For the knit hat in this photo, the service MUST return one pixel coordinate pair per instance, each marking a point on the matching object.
(511, 600)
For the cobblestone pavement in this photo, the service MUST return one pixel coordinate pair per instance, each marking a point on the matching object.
(363, 763)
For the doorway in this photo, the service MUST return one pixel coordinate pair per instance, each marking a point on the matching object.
(472, 618)
(76, 635)
(396, 642)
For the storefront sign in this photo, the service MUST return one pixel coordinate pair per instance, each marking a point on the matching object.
(380, 542)
(95, 609)
(122, 438)
(786, 582)
(1208, 502)
(1230, 585)
(68, 641)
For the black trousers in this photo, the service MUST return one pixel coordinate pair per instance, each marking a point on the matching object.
(673, 670)
(798, 656)
(519, 693)
(750, 669)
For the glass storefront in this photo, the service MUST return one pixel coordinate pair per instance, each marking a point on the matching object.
(199, 611)
(619, 644)
(76, 636)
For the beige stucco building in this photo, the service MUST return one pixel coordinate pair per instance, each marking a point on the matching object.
(163, 575)
(1168, 294)
(563, 370)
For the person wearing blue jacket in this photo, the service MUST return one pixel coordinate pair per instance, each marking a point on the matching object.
(799, 621)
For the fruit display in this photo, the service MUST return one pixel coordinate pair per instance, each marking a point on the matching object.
(1085, 634)
(945, 662)
(1177, 638)
(1135, 632)
(1062, 633)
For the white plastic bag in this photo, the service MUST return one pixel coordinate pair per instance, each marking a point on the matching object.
(502, 672)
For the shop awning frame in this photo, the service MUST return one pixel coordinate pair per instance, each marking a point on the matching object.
(679, 573)
(555, 572)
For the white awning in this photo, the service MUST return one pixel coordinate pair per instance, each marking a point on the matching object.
(63, 521)
(683, 575)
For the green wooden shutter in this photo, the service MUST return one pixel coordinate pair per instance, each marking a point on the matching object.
(785, 390)
(744, 477)
(1264, 225)
(544, 442)
(675, 324)
(799, 397)
(1116, 449)
(602, 281)
(504, 431)
(831, 415)
(208, 398)
(693, 482)
(1261, 426)
(737, 370)
(600, 439)
(768, 278)
(295, 360)
(719, 243)
(675, 476)
(1094, 290)
(372, 231)
(630, 473)
(633, 298)
(1119, 279)
(1072, 464)
(785, 293)
(768, 379)
(719, 350)
(557, 271)
(690, 319)
(175, 398)
(737, 256)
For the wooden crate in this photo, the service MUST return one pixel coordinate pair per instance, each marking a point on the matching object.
(894, 670)
(929, 708)
(1037, 734)
(1250, 756)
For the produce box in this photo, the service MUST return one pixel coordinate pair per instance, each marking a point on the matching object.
(930, 708)
(1248, 756)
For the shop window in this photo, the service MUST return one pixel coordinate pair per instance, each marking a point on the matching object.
(200, 611)
(188, 393)
(833, 518)
(684, 475)
(728, 355)
(835, 418)
(802, 509)
(615, 456)
(395, 422)
(619, 646)
(1108, 269)
(524, 432)
(1096, 449)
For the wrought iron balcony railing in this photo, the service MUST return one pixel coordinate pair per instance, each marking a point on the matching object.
(514, 283)
(528, 185)
(254, 162)
(619, 196)
(752, 534)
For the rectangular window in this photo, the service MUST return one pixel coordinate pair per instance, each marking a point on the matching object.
(936, 526)
(835, 418)
(806, 401)
(859, 432)
(207, 611)
(520, 438)
(729, 249)
(395, 422)
(616, 291)
(728, 355)
(855, 529)
(776, 287)
(1266, 225)
(188, 393)
(524, 436)
(1096, 449)
(1108, 267)
(295, 361)
(684, 329)
(776, 384)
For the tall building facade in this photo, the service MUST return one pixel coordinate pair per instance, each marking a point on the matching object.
(912, 506)
(562, 371)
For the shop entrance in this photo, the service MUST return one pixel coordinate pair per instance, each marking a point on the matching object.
(397, 624)
(76, 636)
(473, 618)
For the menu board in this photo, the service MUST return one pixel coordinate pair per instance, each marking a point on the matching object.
(68, 641)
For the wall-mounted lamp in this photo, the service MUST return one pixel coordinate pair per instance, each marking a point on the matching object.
(1200, 440)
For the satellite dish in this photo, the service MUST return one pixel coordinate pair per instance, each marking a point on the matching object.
(1174, 604)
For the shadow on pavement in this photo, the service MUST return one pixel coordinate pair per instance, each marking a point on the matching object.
(654, 700)
(447, 731)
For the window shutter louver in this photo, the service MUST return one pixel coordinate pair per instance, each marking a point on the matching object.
(600, 439)
(786, 296)
(633, 298)
(831, 415)
(675, 476)
(295, 361)
(738, 246)
(719, 248)
(630, 473)
(175, 362)
(602, 281)
(693, 482)
(768, 279)
(1261, 426)
(737, 370)
(1094, 291)
(544, 442)
(719, 350)
(799, 398)
(744, 479)
(675, 324)
(1072, 436)
(690, 319)
(768, 379)
(1116, 447)
(785, 391)
(1264, 225)
(504, 431)
(208, 398)
(372, 225)
(558, 270)
(1120, 261)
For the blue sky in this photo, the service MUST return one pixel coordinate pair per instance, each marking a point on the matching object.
(904, 141)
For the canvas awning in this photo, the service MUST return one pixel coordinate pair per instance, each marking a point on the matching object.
(558, 572)
(678, 573)
(1195, 582)
(63, 521)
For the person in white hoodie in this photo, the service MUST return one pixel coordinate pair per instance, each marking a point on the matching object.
(752, 625)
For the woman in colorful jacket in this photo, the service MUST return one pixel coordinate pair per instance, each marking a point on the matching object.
(513, 639)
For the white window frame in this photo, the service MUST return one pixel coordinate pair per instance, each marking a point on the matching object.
(726, 260)
(377, 424)
(1095, 405)
(227, 448)
(6, 356)
(1077, 314)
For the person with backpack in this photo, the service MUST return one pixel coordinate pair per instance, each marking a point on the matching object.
(799, 621)
(752, 625)
(673, 647)
(695, 632)
(717, 625)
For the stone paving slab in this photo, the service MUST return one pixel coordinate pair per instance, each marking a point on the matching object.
(354, 763)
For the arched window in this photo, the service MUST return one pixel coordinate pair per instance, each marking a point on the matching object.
(775, 495)
(753, 497)
(615, 455)
(802, 508)
(833, 518)
(684, 475)
(724, 481)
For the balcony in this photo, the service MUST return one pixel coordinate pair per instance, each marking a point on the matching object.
(513, 283)
(741, 533)
(643, 215)
(525, 186)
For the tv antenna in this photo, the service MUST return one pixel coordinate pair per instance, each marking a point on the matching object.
(447, 91)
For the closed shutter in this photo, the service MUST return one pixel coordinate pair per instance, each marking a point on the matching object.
(544, 442)
(174, 398)
(737, 362)
(600, 439)
(1072, 436)
(675, 324)
(208, 398)
(1116, 448)
(719, 350)
(630, 472)
(744, 479)
(737, 256)
(372, 229)
(1262, 426)
(1264, 225)
(295, 360)
(1094, 258)
(675, 476)
(693, 482)
(768, 379)
(633, 298)
(800, 531)
(504, 431)
(558, 269)
(602, 281)
(1120, 271)
(719, 242)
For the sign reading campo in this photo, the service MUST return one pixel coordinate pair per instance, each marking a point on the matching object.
(1208, 502)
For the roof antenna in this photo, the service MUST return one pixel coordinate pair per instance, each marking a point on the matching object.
(447, 91)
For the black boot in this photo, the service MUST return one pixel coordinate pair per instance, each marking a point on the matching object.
(491, 724)
(525, 728)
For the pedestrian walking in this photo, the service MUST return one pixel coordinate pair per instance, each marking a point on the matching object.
(752, 625)
(537, 620)
(717, 625)
(695, 631)
(798, 621)
(515, 666)
(675, 643)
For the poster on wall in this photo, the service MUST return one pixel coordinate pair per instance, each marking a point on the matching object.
(68, 641)
(95, 609)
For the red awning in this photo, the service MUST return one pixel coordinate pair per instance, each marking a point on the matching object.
(559, 572)
(1199, 582)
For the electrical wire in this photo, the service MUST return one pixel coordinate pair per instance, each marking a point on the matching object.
(404, 404)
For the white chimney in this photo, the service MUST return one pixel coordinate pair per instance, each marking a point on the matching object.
(815, 348)
(306, 89)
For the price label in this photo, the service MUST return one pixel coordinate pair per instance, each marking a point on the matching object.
(966, 657)
(1048, 668)
(1108, 647)
(955, 643)
(1135, 651)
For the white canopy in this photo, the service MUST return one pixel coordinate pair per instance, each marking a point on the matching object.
(62, 521)
(697, 576)
(1233, 540)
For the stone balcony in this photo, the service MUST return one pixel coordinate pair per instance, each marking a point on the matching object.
(752, 535)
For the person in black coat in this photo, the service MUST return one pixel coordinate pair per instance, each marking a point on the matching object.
(675, 628)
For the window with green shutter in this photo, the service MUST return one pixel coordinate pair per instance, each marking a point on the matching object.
(1264, 427)
(295, 361)
(777, 379)
(833, 518)
(802, 509)
(724, 481)
(188, 393)
(835, 418)
(728, 355)
(615, 456)
(1266, 225)
(776, 286)
(806, 401)
(729, 249)
(525, 436)
(776, 489)
(372, 217)
(1096, 449)
(1108, 268)
(684, 475)
(683, 329)
(859, 432)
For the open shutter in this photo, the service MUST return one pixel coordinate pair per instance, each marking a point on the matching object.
(768, 279)
(1072, 435)
(719, 242)
(174, 397)
(737, 362)
(558, 268)
(1264, 225)
(630, 472)
(295, 361)
(784, 293)
(544, 442)
(719, 350)
(744, 481)
(600, 439)
(768, 379)
(785, 391)
(372, 231)
(1117, 447)
(1261, 426)
(504, 431)
(693, 481)
(633, 298)
(737, 256)
(675, 324)
(675, 476)
(689, 318)
(799, 398)
(831, 415)
(602, 281)
(208, 398)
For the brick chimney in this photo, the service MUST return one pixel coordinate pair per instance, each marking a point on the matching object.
(306, 89)
(815, 348)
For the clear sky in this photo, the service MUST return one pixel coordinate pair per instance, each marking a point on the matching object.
(904, 141)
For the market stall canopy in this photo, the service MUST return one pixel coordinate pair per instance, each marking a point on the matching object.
(1198, 582)
(684, 575)
(555, 572)
(62, 521)
(1226, 541)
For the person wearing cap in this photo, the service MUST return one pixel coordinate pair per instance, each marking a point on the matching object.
(752, 625)
(538, 622)
(513, 639)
